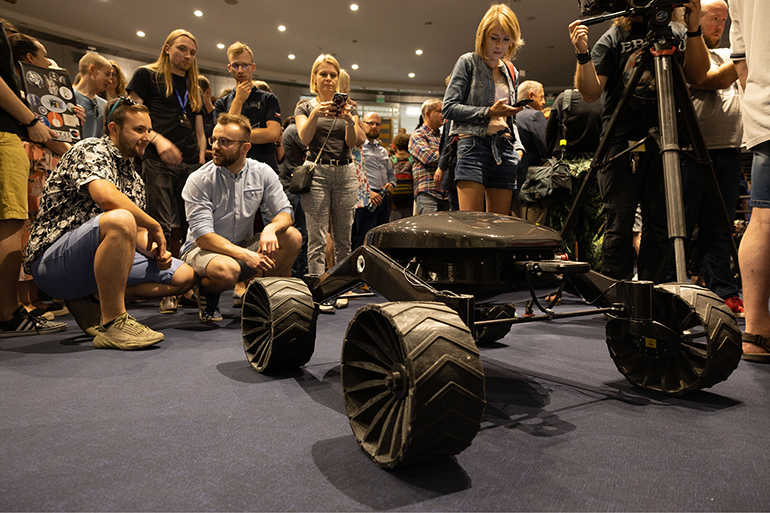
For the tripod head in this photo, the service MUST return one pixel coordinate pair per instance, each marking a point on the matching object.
(657, 13)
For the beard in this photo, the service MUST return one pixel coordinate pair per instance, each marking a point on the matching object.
(127, 149)
(221, 159)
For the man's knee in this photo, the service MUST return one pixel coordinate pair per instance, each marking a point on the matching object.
(292, 240)
(117, 222)
(183, 279)
(223, 271)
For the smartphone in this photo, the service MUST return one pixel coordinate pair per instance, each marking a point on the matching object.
(522, 103)
(340, 100)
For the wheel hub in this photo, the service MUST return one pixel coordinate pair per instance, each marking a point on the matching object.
(396, 381)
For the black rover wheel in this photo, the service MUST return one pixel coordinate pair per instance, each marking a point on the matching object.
(278, 323)
(493, 332)
(710, 343)
(412, 381)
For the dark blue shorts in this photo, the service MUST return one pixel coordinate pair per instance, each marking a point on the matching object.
(66, 269)
(489, 160)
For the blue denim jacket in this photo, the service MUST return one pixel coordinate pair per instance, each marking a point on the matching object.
(470, 94)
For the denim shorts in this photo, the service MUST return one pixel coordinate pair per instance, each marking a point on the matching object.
(66, 269)
(760, 176)
(477, 162)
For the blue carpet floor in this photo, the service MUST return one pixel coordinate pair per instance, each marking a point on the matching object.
(188, 426)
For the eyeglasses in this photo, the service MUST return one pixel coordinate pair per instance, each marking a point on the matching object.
(372, 123)
(223, 143)
(240, 65)
(121, 99)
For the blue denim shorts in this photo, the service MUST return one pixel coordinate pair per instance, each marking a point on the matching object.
(494, 167)
(760, 176)
(66, 269)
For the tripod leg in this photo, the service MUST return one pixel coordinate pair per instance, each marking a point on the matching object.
(669, 147)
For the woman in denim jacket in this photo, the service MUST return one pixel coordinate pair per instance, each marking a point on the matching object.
(479, 100)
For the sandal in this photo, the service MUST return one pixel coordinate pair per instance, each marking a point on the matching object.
(759, 341)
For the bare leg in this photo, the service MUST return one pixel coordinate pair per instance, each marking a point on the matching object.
(10, 265)
(499, 201)
(290, 243)
(470, 195)
(114, 257)
(755, 269)
(181, 282)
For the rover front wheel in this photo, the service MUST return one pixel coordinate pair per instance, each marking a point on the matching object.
(278, 323)
(412, 381)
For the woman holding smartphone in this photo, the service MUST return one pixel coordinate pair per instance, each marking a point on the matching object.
(480, 101)
(328, 124)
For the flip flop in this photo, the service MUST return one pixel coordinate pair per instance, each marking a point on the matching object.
(757, 340)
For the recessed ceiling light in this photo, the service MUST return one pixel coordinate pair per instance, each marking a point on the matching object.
(140, 33)
(220, 46)
(411, 75)
(418, 52)
(354, 66)
(353, 7)
(198, 13)
(292, 56)
(282, 28)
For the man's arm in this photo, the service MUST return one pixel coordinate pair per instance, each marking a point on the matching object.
(587, 81)
(167, 151)
(742, 70)
(16, 108)
(270, 134)
(696, 53)
(268, 240)
(420, 148)
(200, 135)
(721, 78)
(108, 197)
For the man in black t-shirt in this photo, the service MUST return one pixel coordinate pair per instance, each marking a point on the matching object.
(169, 88)
(637, 177)
(260, 107)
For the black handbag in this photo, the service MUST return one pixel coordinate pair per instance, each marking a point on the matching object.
(302, 177)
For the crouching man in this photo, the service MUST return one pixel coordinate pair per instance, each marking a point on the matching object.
(92, 235)
(221, 200)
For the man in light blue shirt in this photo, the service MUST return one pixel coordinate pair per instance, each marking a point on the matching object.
(222, 199)
(95, 75)
(382, 182)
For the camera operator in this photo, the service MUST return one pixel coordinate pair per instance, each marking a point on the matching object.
(637, 176)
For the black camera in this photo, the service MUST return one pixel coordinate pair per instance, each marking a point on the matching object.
(596, 7)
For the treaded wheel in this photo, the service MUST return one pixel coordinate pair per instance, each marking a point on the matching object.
(412, 381)
(494, 332)
(278, 323)
(709, 336)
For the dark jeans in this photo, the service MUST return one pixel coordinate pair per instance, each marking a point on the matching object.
(299, 269)
(366, 219)
(622, 189)
(713, 242)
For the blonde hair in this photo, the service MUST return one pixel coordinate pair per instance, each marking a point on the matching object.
(238, 48)
(499, 14)
(92, 58)
(163, 67)
(324, 57)
(344, 81)
(117, 74)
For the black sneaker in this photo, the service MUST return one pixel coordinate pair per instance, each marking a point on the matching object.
(23, 324)
(208, 305)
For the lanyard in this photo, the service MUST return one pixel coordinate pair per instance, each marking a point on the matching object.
(183, 104)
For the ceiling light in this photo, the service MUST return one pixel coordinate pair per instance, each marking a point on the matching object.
(418, 52)
(140, 33)
(281, 28)
(354, 66)
(411, 75)
(353, 7)
(221, 46)
(292, 56)
(198, 13)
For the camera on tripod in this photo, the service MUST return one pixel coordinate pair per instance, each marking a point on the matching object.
(595, 7)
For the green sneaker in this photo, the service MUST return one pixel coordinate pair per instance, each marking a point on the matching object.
(127, 334)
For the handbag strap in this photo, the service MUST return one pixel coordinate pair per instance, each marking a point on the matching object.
(324, 144)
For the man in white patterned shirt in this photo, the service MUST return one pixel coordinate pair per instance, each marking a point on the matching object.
(92, 234)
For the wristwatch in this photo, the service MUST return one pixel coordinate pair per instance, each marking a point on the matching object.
(32, 123)
(697, 33)
(583, 58)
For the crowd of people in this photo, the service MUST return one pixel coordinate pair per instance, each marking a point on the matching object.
(178, 195)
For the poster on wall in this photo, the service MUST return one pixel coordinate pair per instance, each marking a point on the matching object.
(49, 95)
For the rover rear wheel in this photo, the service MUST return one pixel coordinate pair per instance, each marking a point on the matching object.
(710, 342)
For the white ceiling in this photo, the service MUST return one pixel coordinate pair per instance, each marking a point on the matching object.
(381, 37)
